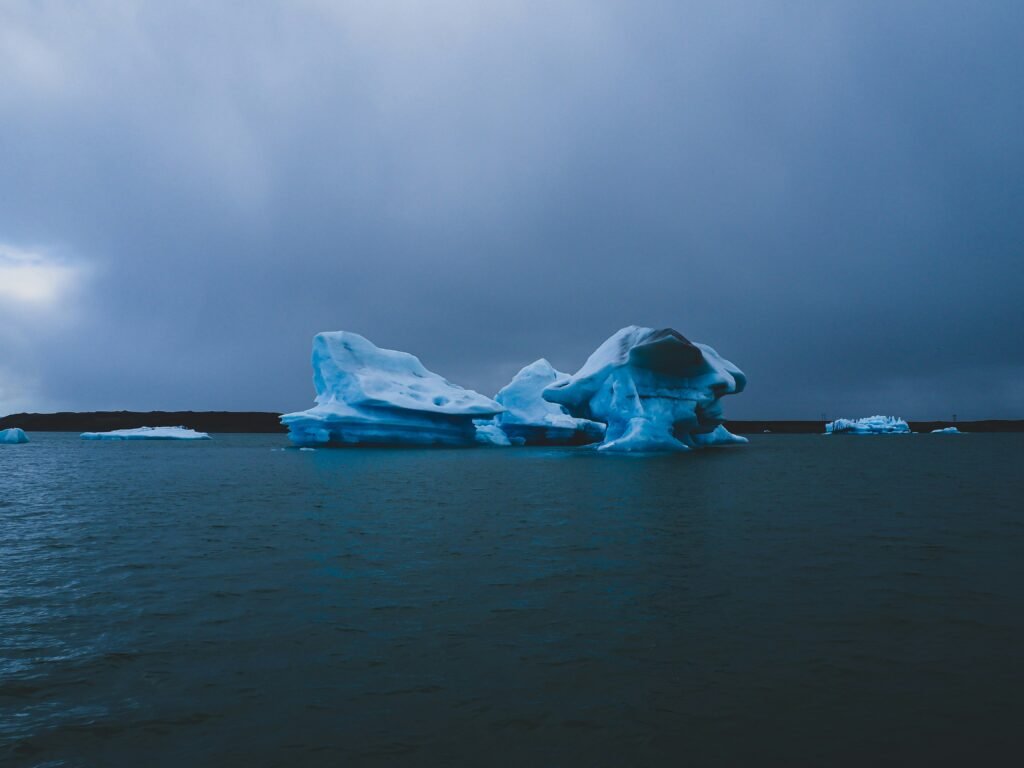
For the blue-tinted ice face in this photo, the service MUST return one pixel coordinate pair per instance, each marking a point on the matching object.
(12, 436)
(654, 389)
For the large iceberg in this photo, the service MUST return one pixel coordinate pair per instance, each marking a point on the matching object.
(869, 425)
(654, 389)
(529, 419)
(12, 436)
(369, 395)
(147, 433)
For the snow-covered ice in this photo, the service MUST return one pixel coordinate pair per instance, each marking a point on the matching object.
(147, 433)
(947, 431)
(365, 394)
(12, 436)
(532, 420)
(869, 425)
(654, 389)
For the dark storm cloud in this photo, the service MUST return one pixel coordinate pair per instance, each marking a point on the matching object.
(828, 193)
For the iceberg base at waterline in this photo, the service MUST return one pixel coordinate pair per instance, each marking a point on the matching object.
(337, 425)
(537, 434)
(13, 436)
(147, 433)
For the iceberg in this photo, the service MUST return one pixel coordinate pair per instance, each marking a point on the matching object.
(869, 425)
(947, 431)
(529, 419)
(12, 436)
(147, 433)
(654, 389)
(373, 396)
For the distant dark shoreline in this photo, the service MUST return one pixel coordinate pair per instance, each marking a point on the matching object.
(264, 422)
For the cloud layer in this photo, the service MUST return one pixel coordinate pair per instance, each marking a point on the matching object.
(827, 192)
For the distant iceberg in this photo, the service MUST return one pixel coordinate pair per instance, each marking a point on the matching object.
(718, 436)
(147, 433)
(374, 396)
(654, 389)
(869, 425)
(532, 420)
(12, 436)
(947, 431)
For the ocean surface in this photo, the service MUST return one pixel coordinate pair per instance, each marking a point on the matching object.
(804, 600)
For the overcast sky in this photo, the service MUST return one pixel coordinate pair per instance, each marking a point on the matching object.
(829, 193)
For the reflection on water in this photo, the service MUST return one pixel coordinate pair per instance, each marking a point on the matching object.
(799, 601)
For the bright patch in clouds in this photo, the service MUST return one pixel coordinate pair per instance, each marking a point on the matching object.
(33, 278)
(39, 296)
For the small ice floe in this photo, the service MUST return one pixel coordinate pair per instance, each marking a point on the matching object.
(869, 425)
(13, 436)
(947, 431)
(307, 449)
(147, 433)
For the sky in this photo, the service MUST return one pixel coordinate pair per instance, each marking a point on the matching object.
(830, 193)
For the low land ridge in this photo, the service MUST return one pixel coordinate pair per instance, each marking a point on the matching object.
(267, 422)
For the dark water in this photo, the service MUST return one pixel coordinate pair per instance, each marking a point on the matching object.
(801, 601)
